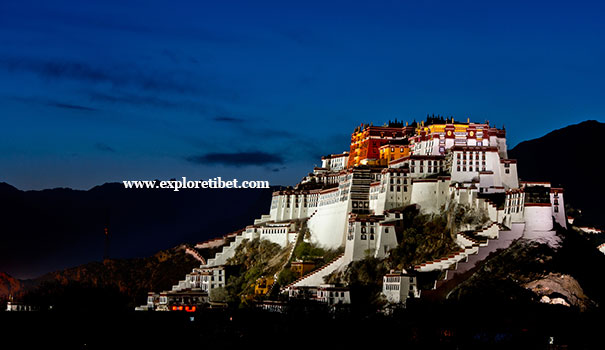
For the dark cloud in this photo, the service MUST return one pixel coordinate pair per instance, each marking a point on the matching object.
(226, 119)
(104, 147)
(271, 133)
(117, 76)
(51, 103)
(71, 106)
(237, 159)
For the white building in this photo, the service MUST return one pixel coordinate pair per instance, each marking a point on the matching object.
(483, 166)
(397, 287)
(333, 295)
(206, 279)
(369, 236)
(335, 162)
(17, 306)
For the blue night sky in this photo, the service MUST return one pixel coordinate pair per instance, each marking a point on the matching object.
(108, 91)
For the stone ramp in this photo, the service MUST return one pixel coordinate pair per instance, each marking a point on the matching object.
(315, 278)
(476, 253)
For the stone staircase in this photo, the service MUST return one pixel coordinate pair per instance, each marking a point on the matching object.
(475, 252)
(287, 260)
(315, 278)
(227, 252)
(469, 246)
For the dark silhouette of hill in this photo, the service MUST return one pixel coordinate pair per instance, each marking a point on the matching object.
(114, 284)
(50, 230)
(569, 157)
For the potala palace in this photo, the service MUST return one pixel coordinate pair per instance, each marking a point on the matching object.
(355, 199)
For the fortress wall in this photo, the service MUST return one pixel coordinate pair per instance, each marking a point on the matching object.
(386, 240)
(538, 217)
(315, 278)
(510, 180)
(328, 225)
(281, 211)
(425, 195)
(279, 238)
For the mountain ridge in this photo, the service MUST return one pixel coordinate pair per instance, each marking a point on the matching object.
(53, 229)
(566, 158)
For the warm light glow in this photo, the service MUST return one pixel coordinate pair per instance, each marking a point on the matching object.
(190, 309)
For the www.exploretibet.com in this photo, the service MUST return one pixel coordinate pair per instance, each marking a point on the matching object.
(177, 185)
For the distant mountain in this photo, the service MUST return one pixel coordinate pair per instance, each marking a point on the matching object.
(113, 283)
(569, 157)
(49, 230)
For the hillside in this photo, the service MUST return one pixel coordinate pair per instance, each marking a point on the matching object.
(43, 231)
(531, 271)
(8, 285)
(567, 157)
(115, 284)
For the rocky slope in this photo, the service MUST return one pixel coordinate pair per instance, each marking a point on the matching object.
(534, 271)
(9, 285)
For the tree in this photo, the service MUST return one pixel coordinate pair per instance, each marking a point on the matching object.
(218, 295)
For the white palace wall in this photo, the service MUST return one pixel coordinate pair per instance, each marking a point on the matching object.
(538, 217)
(328, 225)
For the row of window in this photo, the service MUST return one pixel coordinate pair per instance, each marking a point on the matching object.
(405, 188)
(470, 168)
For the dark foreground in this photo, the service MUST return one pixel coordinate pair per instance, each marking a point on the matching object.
(423, 328)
